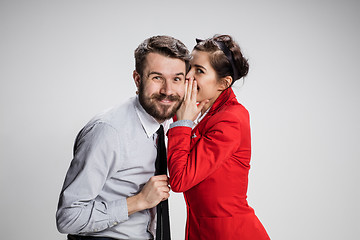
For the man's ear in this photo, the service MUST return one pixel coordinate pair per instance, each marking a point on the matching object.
(225, 83)
(137, 78)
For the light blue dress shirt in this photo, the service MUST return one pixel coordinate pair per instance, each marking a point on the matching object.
(114, 156)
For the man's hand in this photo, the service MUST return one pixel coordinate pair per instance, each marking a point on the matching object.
(155, 190)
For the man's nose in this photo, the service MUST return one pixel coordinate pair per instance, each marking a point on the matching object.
(166, 87)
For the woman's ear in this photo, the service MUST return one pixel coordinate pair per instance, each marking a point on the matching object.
(225, 82)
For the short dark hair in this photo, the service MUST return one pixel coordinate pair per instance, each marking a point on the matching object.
(219, 61)
(164, 45)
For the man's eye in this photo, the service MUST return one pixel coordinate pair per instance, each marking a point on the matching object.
(156, 78)
(177, 79)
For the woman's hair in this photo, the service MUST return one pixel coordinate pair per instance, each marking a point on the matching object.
(164, 45)
(225, 56)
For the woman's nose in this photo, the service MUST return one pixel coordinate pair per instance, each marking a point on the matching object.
(190, 74)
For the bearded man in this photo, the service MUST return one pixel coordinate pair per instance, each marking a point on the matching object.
(110, 191)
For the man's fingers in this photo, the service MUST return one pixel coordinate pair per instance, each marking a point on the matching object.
(166, 196)
(160, 181)
(160, 177)
(164, 189)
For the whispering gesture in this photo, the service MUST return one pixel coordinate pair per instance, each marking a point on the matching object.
(190, 108)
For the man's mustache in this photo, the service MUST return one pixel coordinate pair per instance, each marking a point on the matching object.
(161, 97)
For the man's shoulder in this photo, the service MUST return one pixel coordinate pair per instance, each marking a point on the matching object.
(116, 116)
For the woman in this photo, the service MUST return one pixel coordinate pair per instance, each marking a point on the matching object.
(210, 162)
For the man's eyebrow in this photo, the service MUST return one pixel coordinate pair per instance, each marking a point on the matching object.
(156, 73)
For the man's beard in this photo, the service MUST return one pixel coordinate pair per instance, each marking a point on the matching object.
(159, 112)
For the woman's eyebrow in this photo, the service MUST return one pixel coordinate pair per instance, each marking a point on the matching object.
(199, 66)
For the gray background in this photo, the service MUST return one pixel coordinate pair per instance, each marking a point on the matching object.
(61, 62)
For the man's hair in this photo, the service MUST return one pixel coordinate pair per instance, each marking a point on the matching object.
(164, 45)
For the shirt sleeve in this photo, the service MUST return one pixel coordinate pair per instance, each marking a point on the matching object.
(182, 123)
(79, 209)
(193, 158)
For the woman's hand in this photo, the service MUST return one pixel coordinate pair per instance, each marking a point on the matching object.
(189, 109)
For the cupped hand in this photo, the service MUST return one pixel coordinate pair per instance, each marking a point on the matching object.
(190, 109)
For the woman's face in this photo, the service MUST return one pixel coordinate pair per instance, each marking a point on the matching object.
(205, 76)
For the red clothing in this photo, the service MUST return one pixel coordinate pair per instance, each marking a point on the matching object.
(210, 164)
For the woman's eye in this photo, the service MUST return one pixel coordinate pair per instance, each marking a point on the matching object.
(199, 70)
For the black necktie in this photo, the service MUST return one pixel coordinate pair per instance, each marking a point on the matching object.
(163, 223)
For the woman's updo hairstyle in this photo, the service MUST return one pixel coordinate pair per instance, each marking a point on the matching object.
(225, 56)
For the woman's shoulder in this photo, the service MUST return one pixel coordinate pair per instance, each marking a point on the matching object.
(233, 109)
(229, 114)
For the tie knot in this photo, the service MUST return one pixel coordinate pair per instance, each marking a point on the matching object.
(160, 131)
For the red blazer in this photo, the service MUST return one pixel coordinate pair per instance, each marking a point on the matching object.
(210, 164)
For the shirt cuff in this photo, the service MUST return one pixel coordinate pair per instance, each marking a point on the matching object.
(119, 212)
(182, 123)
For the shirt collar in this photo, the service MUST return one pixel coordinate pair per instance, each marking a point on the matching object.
(148, 122)
(200, 117)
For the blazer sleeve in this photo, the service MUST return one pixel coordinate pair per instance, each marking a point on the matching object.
(191, 160)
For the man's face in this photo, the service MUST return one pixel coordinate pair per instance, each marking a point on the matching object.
(161, 89)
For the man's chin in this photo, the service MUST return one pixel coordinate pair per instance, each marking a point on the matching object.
(160, 111)
(163, 115)
(165, 112)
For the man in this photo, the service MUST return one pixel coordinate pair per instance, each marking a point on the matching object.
(110, 190)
